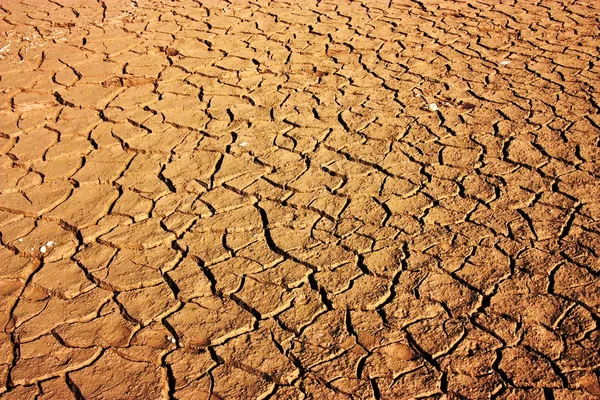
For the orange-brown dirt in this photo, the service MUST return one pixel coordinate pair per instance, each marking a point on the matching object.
(299, 200)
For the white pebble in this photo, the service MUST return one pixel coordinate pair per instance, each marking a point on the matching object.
(244, 144)
(505, 62)
(20, 240)
(433, 107)
(50, 243)
(43, 249)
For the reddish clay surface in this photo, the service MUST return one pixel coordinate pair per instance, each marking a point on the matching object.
(299, 200)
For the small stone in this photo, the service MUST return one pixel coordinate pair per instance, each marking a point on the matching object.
(171, 52)
(467, 106)
(401, 351)
(244, 144)
(50, 244)
(433, 107)
(197, 343)
(504, 63)
(112, 82)
(43, 249)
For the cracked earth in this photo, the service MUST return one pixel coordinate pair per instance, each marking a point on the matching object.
(299, 200)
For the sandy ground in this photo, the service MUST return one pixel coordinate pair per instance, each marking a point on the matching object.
(331, 200)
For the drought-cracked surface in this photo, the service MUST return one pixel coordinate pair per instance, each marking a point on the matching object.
(332, 200)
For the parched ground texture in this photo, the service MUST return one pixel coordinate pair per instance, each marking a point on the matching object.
(299, 200)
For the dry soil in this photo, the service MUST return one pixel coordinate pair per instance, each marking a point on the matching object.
(299, 200)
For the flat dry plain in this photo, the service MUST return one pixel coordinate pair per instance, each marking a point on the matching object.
(299, 200)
